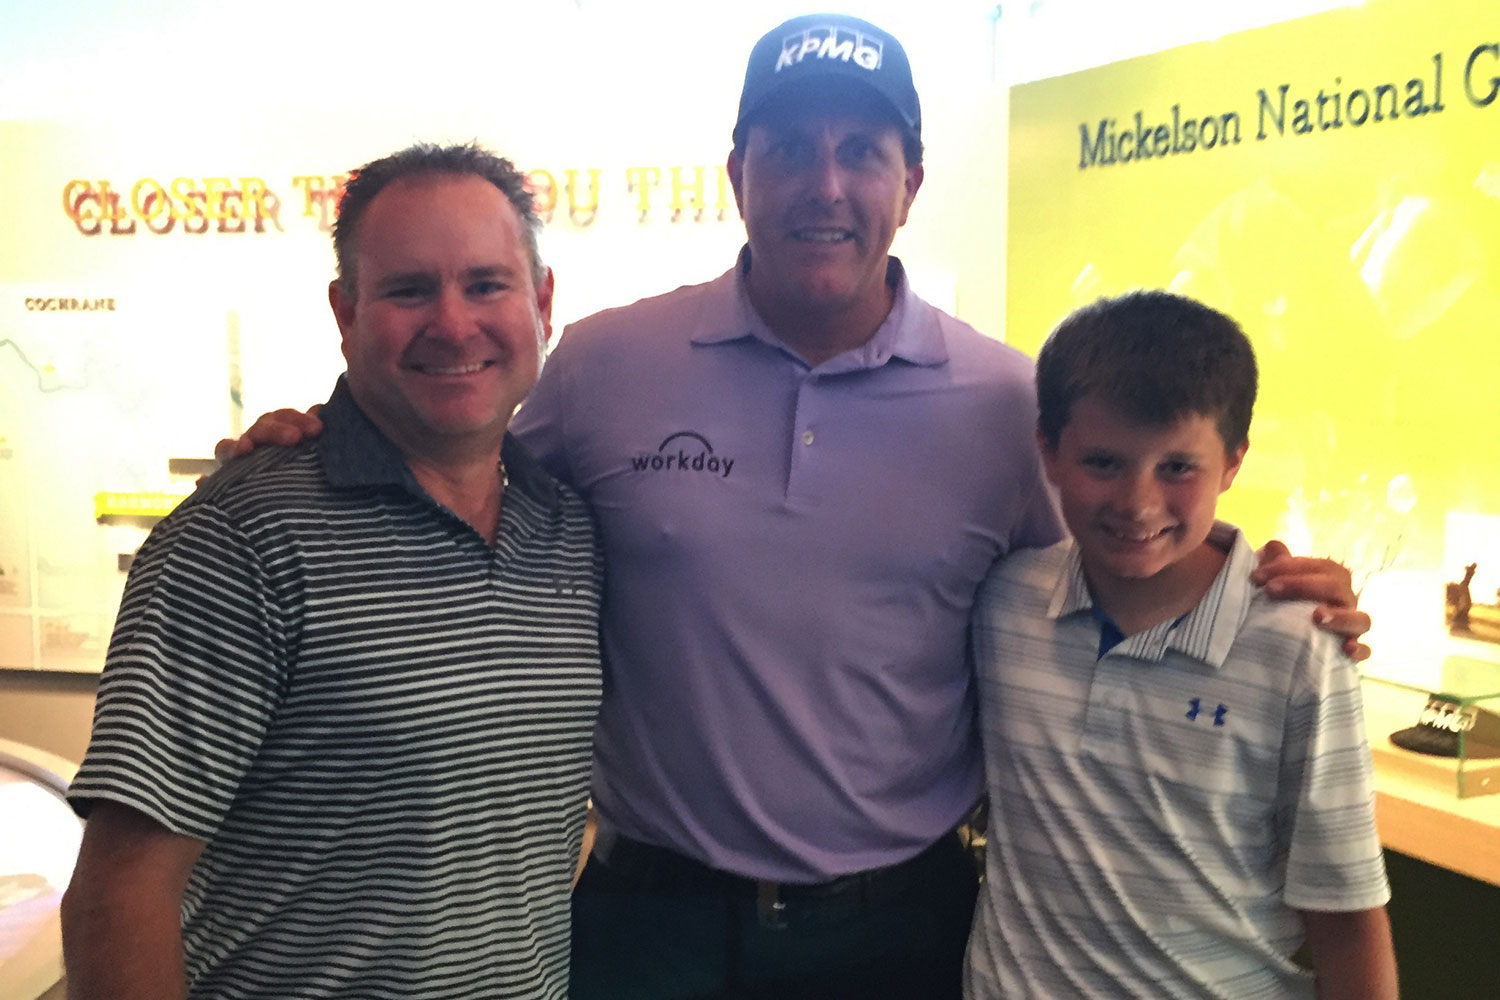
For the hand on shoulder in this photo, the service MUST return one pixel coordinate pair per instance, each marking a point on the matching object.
(1325, 581)
(285, 426)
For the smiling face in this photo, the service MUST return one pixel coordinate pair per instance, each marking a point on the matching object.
(822, 188)
(445, 329)
(1138, 498)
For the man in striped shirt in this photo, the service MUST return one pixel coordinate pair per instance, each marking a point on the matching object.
(342, 741)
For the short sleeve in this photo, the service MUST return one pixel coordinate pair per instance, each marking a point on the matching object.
(193, 676)
(1326, 807)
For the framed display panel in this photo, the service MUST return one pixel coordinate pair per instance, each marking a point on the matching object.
(174, 288)
(1333, 183)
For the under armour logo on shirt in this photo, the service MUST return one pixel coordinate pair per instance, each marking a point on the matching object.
(1195, 707)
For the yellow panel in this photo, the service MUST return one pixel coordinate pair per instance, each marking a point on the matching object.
(1360, 250)
(135, 505)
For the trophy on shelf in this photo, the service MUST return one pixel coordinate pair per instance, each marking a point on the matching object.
(1464, 617)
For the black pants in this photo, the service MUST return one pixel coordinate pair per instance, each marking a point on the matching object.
(653, 925)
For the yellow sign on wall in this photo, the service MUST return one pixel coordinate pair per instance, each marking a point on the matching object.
(1334, 184)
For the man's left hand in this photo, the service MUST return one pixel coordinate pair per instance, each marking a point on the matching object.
(1301, 578)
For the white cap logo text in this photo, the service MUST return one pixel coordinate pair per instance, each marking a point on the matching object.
(830, 43)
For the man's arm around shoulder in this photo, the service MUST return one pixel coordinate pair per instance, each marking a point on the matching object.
(1352, 954)
(122, 913)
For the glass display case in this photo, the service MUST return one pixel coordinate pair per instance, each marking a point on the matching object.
(39, 838)
(1443, 730)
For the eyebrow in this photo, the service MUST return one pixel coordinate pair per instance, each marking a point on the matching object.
(469, 274)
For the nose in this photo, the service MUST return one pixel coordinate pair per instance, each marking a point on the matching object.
(1138, 494)
(452, 315)
(828, 180)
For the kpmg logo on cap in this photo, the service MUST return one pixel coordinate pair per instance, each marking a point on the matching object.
(831, 43)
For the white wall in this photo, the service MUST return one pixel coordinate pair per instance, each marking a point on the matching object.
(207, 87)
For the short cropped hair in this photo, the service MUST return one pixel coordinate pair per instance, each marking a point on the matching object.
(426, 160)
(1155, 356)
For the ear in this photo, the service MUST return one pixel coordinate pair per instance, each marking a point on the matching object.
(1049, 456)
(544, 304)
(342, 305)
(1236, 459)
(914, 177)
(735, 167)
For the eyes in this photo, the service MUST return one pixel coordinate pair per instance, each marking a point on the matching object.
(406, 292)
(1177, 468)
(1106, 465)
(419, 289)
(799, 151)
(486, 287)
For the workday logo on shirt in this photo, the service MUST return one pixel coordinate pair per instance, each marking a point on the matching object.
(685, 452)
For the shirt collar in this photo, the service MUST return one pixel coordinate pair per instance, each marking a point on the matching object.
(1205, 633)
(911, 331)
(352, 449)
(355, 453)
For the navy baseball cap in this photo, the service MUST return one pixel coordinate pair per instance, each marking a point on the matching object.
(823, 51)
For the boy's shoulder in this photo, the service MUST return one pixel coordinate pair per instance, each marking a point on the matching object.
(1033, 566)
(1258, 614)
(1273, 639)
(1279, 637)
(1023, 580)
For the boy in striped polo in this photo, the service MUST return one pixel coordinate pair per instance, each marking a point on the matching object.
(1180, 785)
(342, 741)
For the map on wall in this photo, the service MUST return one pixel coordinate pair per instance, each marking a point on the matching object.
(124, 302)
(99, 436)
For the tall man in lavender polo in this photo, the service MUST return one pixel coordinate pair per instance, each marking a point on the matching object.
(801, 472)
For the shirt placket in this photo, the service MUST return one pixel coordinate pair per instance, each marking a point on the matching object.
(806, 443)
(1104, 715)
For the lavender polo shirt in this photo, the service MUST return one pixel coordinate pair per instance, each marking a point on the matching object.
(791, 555)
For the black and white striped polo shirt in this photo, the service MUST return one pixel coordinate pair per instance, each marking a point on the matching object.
(379, 724)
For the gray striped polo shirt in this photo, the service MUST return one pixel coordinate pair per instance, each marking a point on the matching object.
(1159, 814)
(379, 724)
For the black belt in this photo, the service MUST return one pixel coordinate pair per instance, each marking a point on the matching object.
(653, 868)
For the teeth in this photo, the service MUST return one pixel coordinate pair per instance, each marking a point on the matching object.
(1135, 536)
(823, 235)
(460, 370)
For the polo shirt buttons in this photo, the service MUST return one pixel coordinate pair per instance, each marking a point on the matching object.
(807, 436)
